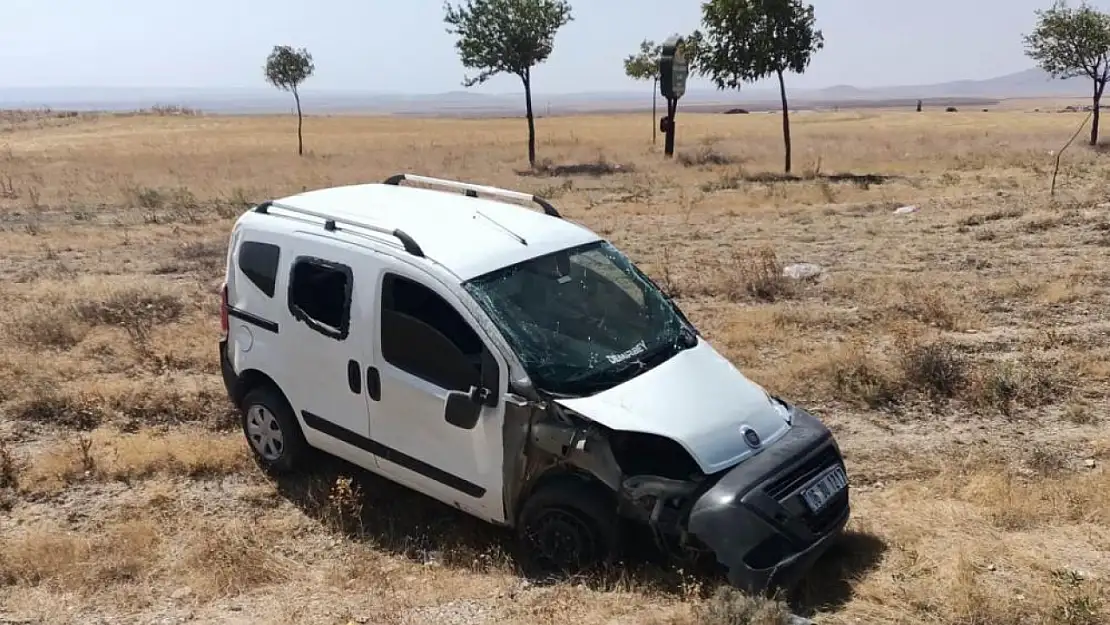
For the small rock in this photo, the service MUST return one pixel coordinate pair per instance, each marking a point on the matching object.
(794, 619)
(1090, 463)
(802, 271)
(905, 210)
(991, 567)
(181, 593)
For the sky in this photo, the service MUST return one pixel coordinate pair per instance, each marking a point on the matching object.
(402, 46)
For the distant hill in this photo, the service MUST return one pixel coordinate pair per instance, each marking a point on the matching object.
(1025, 84)
(1028, 83)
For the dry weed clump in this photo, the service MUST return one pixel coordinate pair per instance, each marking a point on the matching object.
(131, 308)
(84, 564)
(129, 403)
(44, 327)
(746, 275)
(855, 375)
(177, 400)
(601, 166)
(704, 155)
(10, 466)
(108, 454)
(1026, 381)
(62, 315)
(935, 368)
(342, 512)
(46, 403)
(233, 557)
(938, 370)
(1054, 495)
(728, 606)
(931, 307)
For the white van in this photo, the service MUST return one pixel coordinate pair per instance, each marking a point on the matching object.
(516, 366)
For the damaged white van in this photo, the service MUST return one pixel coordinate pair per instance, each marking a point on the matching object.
(518, 367)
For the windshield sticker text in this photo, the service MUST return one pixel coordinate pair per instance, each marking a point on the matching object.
(635, 350)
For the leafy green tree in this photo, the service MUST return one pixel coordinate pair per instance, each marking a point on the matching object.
(748, 40)
(287, 69)
(644, 65)
(1070, 42)
(507, 36)
(692, 48)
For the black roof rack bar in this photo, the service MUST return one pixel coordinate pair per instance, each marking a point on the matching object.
(472, 190)
(332, 223)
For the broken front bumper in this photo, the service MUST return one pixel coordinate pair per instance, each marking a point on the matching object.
(754, 518)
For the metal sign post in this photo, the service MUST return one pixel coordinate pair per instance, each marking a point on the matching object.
(674, 68)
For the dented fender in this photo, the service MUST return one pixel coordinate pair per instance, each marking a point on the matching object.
(540, 439)
(543, 439)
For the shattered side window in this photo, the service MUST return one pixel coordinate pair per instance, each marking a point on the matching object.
(578, 318)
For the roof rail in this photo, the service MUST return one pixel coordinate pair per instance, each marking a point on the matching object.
(331, 224)
(472, 190)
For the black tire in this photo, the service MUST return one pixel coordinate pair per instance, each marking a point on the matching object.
(565, 528)
(285, 456)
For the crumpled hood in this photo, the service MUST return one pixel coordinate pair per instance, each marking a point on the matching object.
(697, 398)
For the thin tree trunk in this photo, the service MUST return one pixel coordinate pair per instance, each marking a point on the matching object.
(527, 78)
(785, 120)
(654, 119)
(1099, 88)
(300, 124)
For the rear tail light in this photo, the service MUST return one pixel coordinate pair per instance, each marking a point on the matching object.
(223, 310)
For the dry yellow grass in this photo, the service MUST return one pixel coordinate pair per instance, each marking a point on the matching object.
(959, 352)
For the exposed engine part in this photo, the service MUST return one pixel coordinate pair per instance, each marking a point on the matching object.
(639, 486)
(661, 502)
(553, 437)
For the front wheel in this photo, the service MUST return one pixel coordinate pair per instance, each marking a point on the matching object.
(567, 528)
(271, 430)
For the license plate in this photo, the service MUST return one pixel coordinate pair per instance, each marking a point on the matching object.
(818, 494)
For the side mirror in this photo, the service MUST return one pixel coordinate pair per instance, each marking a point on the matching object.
(463, 409)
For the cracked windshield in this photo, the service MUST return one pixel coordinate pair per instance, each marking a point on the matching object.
(582, 320)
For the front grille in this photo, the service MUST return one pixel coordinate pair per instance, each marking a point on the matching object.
(787, 484)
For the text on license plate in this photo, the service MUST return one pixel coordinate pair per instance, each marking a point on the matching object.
(818, 494)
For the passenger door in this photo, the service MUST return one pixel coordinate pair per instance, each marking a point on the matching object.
(326, 334)
(427, 347)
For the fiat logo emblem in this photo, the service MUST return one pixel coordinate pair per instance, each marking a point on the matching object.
(752, 438)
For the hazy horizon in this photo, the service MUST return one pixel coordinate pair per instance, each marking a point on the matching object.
(359, 47)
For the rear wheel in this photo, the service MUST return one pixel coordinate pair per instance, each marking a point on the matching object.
(567, 528)
(271, 430)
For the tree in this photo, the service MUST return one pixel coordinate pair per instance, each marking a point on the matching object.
(644, 65)
(507, 36)
(748, 40)
(1070, 42)
(287, 69)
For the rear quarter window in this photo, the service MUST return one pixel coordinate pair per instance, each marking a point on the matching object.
(259, 263)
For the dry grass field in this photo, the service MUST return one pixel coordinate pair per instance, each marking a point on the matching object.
(961, 353)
